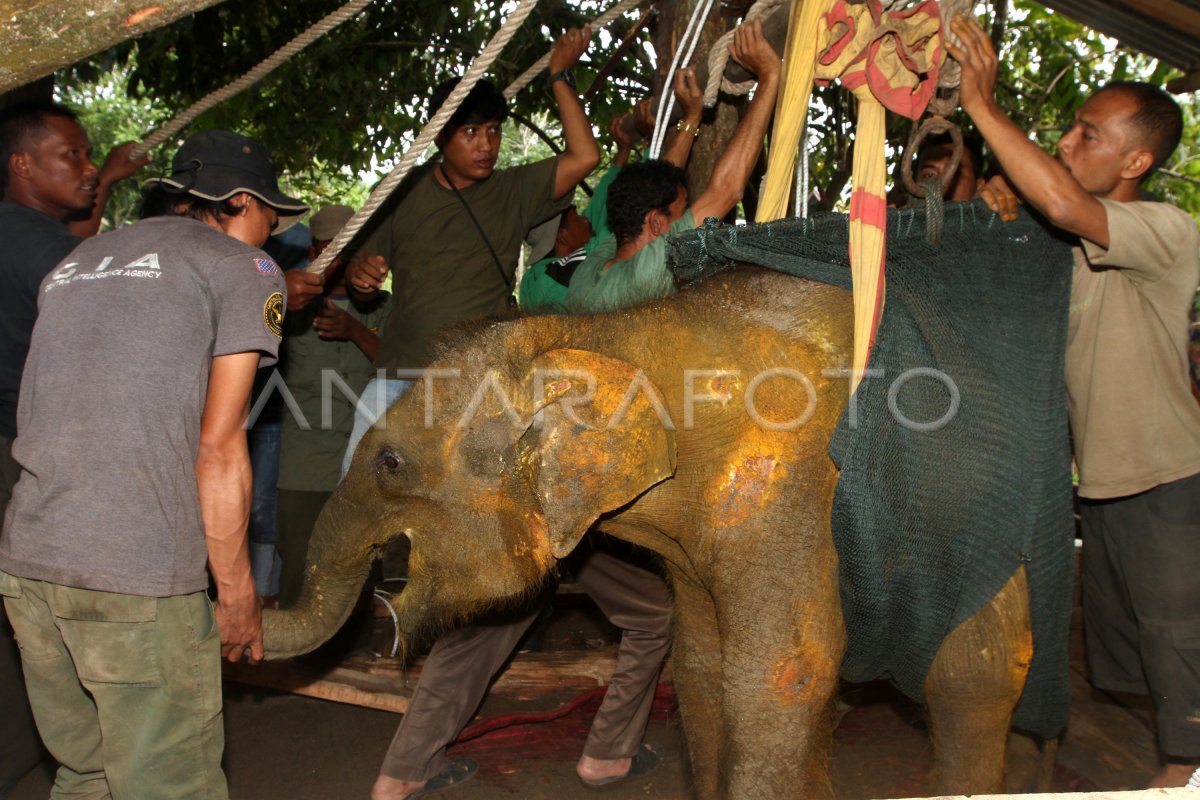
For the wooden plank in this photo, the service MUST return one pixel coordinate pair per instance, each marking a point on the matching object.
(1168, 12)
(385, 684)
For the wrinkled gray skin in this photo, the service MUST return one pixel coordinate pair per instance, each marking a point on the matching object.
(738, 512)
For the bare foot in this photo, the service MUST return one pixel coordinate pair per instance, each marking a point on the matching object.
(1172, 775)
(386, 788)
(596, 769)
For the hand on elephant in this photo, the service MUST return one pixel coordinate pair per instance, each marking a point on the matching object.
(239, 620)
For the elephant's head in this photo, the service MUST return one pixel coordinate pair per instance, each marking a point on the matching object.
(493, 474)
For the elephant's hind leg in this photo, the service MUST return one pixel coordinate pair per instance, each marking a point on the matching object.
(972, 688)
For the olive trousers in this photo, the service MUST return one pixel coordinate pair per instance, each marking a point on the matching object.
(126, 690)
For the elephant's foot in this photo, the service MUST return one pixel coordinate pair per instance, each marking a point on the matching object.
(1172, 776)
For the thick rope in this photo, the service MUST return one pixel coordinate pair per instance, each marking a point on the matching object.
(425, 138)
(691, 38)
(718, 58)
(213, 99)
(527, 77)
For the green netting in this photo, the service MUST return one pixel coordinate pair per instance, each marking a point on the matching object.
(930, 524)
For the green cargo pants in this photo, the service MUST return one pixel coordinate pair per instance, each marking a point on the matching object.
(126, 690)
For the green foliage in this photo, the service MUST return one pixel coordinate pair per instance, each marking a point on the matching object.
(350, 104)
(358, 96)
(1050, 64)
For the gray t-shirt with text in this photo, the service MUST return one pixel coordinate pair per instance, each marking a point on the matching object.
(111, 402)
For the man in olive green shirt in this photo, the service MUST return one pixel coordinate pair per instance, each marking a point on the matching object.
(455, 229)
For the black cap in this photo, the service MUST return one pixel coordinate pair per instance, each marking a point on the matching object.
(217, 164)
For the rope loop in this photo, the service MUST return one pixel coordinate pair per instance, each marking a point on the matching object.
(935, 124)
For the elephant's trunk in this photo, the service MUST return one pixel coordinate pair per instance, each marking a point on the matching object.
(333, 577)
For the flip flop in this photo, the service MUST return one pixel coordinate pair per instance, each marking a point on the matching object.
(645, 762)
(459, 770)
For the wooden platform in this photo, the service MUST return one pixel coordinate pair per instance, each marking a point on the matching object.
(383, 683)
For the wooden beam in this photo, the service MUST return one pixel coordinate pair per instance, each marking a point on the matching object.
(1170, 13)
(384, 683)
(39, 37)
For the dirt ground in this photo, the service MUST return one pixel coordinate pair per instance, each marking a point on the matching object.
(285, 747)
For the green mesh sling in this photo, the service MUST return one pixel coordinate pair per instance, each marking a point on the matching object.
(931, 519)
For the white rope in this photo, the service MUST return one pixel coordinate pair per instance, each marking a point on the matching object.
(718, 58)
(264, 67)
(425, 138)
(802, 176)
(602, 21)
(691, 38)
(384, 596)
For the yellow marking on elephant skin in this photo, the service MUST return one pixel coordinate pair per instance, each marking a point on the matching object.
(747, 484)
(723, 386)
(798, 677)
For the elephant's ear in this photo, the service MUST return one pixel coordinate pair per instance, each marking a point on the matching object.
(600, 437)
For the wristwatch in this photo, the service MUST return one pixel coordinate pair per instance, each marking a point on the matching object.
(564, 75)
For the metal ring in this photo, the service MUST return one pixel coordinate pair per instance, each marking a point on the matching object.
(935, 124)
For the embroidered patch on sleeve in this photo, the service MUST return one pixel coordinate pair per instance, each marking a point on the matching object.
(266, 266)
(273, 314)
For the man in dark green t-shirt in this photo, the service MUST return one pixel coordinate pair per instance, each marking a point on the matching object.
(454, 231)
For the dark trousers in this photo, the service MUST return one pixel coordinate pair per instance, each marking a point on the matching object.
(20, 746)
(297, 514)
(463, 662)
(1141, 604)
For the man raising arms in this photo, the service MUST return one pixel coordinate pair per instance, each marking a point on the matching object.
(1135, 424)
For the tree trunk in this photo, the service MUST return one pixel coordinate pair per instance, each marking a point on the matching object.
(721, 120)
(39, 37)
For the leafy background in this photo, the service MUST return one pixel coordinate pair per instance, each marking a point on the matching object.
(338, 115)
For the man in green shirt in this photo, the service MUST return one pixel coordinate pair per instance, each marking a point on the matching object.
(326, 362)
(648, 202)
(455, 229)
(544, 285)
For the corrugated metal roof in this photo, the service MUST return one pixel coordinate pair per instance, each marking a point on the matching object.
(1169, 30)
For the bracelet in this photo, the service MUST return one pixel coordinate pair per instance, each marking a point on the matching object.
(684, 127)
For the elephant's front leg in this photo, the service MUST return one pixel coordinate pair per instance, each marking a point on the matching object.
(782, 639)
(972, 688)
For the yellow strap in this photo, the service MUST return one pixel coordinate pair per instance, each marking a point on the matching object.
(791, 105)
(867, 239)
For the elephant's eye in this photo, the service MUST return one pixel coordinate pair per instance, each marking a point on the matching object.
(389, 461)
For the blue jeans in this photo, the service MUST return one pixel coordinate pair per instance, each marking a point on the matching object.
(264, 441)
(376, 398)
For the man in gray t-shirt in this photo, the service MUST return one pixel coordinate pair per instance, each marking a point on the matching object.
(135, 475)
